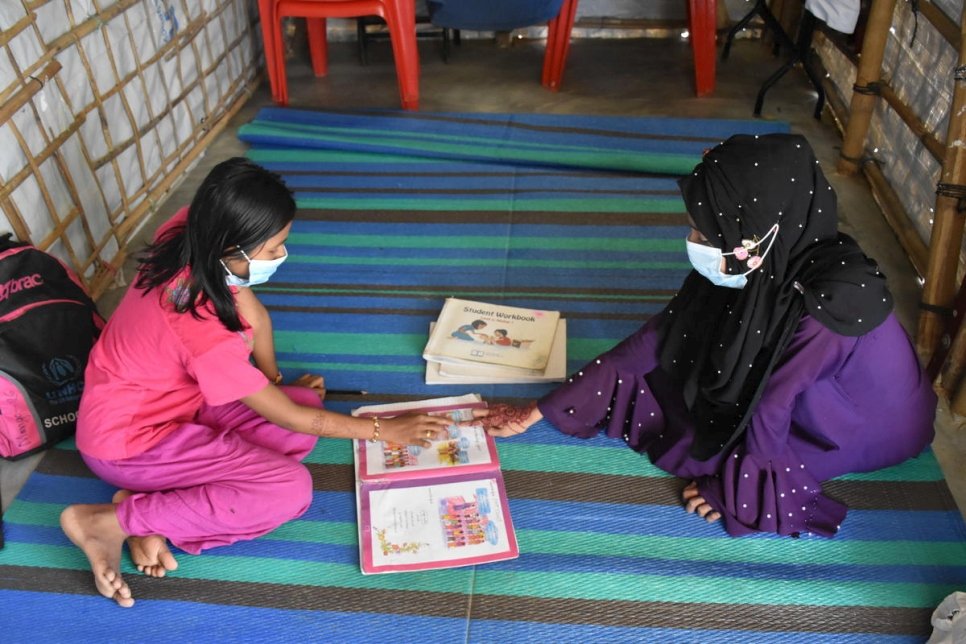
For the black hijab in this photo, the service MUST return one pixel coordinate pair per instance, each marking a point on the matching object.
(721, 344)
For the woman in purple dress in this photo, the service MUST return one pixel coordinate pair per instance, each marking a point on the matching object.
(778, 365)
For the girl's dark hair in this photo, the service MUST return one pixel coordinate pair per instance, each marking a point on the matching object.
(478, 324)
(238, 205)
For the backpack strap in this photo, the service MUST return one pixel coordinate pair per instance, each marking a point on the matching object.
(7, 242)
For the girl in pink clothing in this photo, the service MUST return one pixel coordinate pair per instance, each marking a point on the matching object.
(182, 408)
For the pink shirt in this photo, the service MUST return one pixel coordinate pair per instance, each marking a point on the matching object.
(153, 367)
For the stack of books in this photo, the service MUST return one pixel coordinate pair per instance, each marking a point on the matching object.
(476, 342)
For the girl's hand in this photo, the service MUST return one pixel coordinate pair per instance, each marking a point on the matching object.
(315, 383)
(506, 420)
(414, 429)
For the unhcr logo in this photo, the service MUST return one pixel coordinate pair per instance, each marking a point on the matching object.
(64, 373)
(61, 369)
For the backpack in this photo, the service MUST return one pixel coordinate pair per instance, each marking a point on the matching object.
(48, 325)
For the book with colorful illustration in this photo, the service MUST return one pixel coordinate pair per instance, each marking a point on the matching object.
(442, 506)
(468, 332)
(452, 373)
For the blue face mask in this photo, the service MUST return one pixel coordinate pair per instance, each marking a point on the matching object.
(259, 270)
(707, 260)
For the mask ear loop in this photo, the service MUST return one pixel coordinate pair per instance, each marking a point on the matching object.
(243, 254)
(755, 261)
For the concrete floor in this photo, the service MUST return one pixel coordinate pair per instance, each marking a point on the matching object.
(650, 77)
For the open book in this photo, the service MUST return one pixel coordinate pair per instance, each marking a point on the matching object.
(449, 373)
(469, 332)
(427, 508)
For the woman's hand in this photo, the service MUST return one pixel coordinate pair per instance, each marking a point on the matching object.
(414, 429)
(313, 382)
(506, 420)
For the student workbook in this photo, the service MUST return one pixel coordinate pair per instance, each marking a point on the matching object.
(450, 373)
(468, 332)
(442, 506)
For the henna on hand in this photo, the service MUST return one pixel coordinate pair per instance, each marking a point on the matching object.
(502, 415)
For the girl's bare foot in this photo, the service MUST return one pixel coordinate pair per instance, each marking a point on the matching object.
(150, 554)
(95, 530)
(694, 502)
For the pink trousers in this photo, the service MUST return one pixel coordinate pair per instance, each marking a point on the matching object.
(228, 476)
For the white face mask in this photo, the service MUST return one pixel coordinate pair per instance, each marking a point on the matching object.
(707, 260)
(259, 270)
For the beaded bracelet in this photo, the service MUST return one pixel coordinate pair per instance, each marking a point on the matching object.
(375, 430)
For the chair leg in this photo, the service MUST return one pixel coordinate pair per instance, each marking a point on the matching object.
(361, 41)
(265, 10)
(563, 51)
(703, 17)
(800, 54)
(741, 24)
(549, 56)
(278, 48)
(318, 46)
(558, 45)
(401, 18)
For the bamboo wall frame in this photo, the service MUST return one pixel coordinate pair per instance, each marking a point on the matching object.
(938, 262)
(214, 58)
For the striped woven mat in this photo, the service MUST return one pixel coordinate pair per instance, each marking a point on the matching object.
(574, 213)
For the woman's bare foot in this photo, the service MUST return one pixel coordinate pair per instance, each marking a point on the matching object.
(694, 502)
(150, 554)
(95, 530)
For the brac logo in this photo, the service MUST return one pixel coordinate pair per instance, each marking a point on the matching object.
(18, 284)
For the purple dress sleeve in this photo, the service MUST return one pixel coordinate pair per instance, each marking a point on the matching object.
(610, 390)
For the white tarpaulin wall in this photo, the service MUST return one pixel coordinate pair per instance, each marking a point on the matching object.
(103, 105)
(919, 65)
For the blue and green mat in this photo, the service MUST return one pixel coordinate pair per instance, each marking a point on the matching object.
(574, 213)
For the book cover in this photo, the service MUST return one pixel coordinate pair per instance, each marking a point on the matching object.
(428, 508)
(449, 373)
(477, 332)
(466, 448)
(458, 520)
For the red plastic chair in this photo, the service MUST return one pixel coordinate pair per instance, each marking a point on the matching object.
(701, 23)
(400, 16)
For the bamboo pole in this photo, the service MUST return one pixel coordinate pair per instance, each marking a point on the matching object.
(958, 404)
(946, 27)
(947, 230)
(789, 15)
(912, 120)
(885, 196)
(14, 30)
(36, 83)
(867, 75)
(906, 113)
